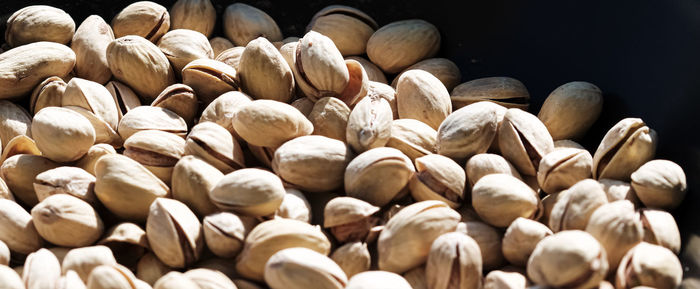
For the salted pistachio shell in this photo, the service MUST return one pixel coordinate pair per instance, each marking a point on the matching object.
(618, 190)
(660, 184)
(348, 27)
(571, 109)
(144, 18)
(231, 56)
(197, 15)
(406, 239)
(660, 228)
(83, 260)
(498, 279)
(269, 237)
(127, 242)
(192, 179)
(468, 131)
(112, 276)
(222, 109)
(294, 206)
(454, 261)
(219, 44)
(649, 265)
(572, 259)
(94, 153)
(243, 23)
(484, 164)
(369, 124)
(616, 226)
(66, 180)
(349, 219)
(92, 96)
(67, 221)
(353, 258)
(562, 168)
(505, 91)
(377, 280)
(24, 67)
(158, 151)
(150, 269)
(151, 118)
(90, 43)
(421, 96)
(214, 144)
(374, 73)
(48, 93)
(39, 23)
(574, 206)
(400, 44)
(104, 133)
(174, 233)
(499, 199)
(224, 233)
(489, 239)
(181, 46)
(624, 148)
(412, 137)
(377, 89)
(438, 178)
(180, 99)
(263, 72)
(253, 192)
(19, 173)
(126, 188)
(319, 68)
(270, 123)
(329, 117)
(524, 140)
(297, 268)
(442, 68)
(17, 229)
(520, 240)
(210, 78)
(139, 63)
(41, 270)
(378, 176)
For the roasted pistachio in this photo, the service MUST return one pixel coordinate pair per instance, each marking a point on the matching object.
(19, 173)
(59, 139)
(39, 23)
(263, 72)
(520, 240)
(231, 56)
(349, 219)
(180, 99)
(571, 109)
(421, 96)
(253, 192)
(17, 229)
(94, 153)
(151, 117)
(65, 220)
(22, 68)
(222, 109)
(181, 46)
(649, 265)
(660, 184)
(660, 228)
(210, 279)
(127, 242)
(41, 270)
(243, 23)
(618, 190)
(220, 44)
(499, 199)
(197, 15)
(489, 239)
(150, 268)
(374, 73)
(270, 123)
(224, 233)
(369, 124)
(48, 93)
(377, 280)
(215, 145)
(66, 180)
(156, 150)
(367, 175)
(319, 68)
(442, 68)
(468, 131)
(353, 258)
(144, 18)
(616, 226)
(401, 44)
(524, 140)
(298, 268)
(174, 233)
(573, 207)
(454, 261)
(562, 168)
(505, 91)
(412, 137)
(90, 43)
(113, 276)
(624, 148)
(329, 117)
(192, 179)
(83, 260)
(348, 27)
(294, 206)
(484, 164)
(438, 178)
(499, 279)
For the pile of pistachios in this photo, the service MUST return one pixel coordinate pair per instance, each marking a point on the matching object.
(144, 153)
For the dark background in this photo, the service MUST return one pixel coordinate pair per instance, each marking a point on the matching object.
(644, 55)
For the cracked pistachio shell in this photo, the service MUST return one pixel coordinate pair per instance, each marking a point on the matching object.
(127, 242)
(127, 188)
(125, 98)
(252, 192)
(150, 269)
(67, 221)
(174, 280)
(158, 151)
(222, 109)
(215, 145)
(319, 68)
(499, 199)
(616, 226)
(104, 133)
(174, 233)
(92, 96)
(400, 44)
(298, 268)
(182, 46)
(520, 240)
(624, 148)
(377, 89)
(499, 279)
(210, 279)
(224, 233)
(139, 64)
(454, 261)
(294, 206)
(263, 72)
(231, 56)
(353, 258)
(144, 18)
(243, 23)
(17, 229)
(505, 91)
(61, 134)
(39, 23)
(269, 237)
(374, 73)
(41, 270)
(24, 67)
(197, 15)
(270, 123)
(442, 68)
(369, 124)
(180, 99)
(83, 260)
(438, 178)
(20, 171)
(468, 131)
(378, 176)
(151, 117)
(70, 280)
(66, 180)
(377, 280)
(660, 228)
(87, 162)
(20, 144)
(574, 206)
(649, 265)
(358, 87)
(112, 277)
(220, 44)
(572, 259)
(489, 239)
(90, 43)
(348, 27)
(48, 93)
(349, 219)
(406, 239)
(660, 184)
(412, 137)
(524, 140)
(10, 279)
(421, 96)
(571, 109)
(562, 168)
(192, 179)
(484, 164)
(4, 254)
(329, 117)
(14, 121)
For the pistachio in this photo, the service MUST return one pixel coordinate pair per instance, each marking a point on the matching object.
(358, 85)
(416, 278)
(353, 258)
(378, 176)
(421, 96)
(10, 279)
(377, 280)
(104, 133)
(222, 109)
(66, 180)
(20, 171)
(90, 43)
(438, 178)
(520, 240)
(151, 118)
(618, 190)
(369, 124)
(92, 96)
(454, 261)
(329, 117)
(210, 279)
(156, 150)
(400, 44)
(224, 233)
(197, 15)
(253, 192)
(566, 143)
(498, 279)
(17, 229)
(571, 109)
(312, 163)
(4, 254)
(348, 27)
(405, 241)
(70, 280)
(412, 137)
(83, 260)
(209, 78)
(180, 99)
(304, 105)
(14, 121)
(294, 206)
(270, 123)
(349, 219)
(125, 98)
(562, 168)
(442, 68)
(374, 73)
(243, 23)
(112, 276)
(505, 91)
(574, 207)
(499, 199)
(468, 131)
(192, 179)
(216, 145)
(181, 46)
(150, 269)
(624, 148)
(489, 240)
(48, 93)
(41, 270)
(219, 44)
(263, 72)
(20, 144)
(231, 56)
(144, 18)
(87, 162)
(484, 164)
(127, 242)
(319, 68)
(303, 268)
(377, 89)
(617, 228)
(174, 233)
(67, 221)
(39, 23)
(660, 229)
(649, 265)
(524, 140)
(23, 67)
(660, 184)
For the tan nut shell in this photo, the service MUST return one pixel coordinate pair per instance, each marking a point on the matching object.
(421, 96)
(67, 221)
(156, 150)
(619, 190)
(151, 117)
(215, 145)
(498, 279)
(377, 280)
(524, 140)
(83, 260)
(263, 72)
(486, 164)
(344, 210)
(616, 226)
(112, 276)
(253, 192)
(104, 133)
(319, 68)
(231, 56)
(192, 179)
(660, 184)
(401, 44)
(624, 148)
(571, 109)
(562, 168)
(499, 199)
(150, 269)
(438, 178)
(224, 233)
(412, 137)
(442, 68)
(210, 279)
(41, 270)
(220, 44)
(197, 15)
(39, 23)
(182, 46)
(329, 117)
(505, 91)
(180, 99)
(61, 134)
(468, 131)
(174, 233)
(454, 261)
(520, 240)
(144, 18)
(10, 278)
(369, 124)
(348, 27)
(489, 239)
(222, 109)
(294, 206)
(378, 175)
(270, 123)
(20, 171)
(90, 43)
(298, 268)
(243, 23)
(649, 265)
(353, 258)
(660, 228)
(125, 98)
(87, 162)
(23, 67)
(17, 228)
(48, 93)
(70, 280)
(20, 144)
(574, 207)
(92, 96)
(66, 180)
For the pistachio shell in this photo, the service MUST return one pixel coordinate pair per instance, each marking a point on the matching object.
(377, 280)
(125, 98)
(624, 148)
(489, 239)
(616, 226)
(224, 233)
(150, 269)
(151, 117)
(41, 270)
(499, 199)
(90, 43)
(468, 131)
(297, 268)
(660, 184)
(222, 109)
(520, 240)
(17, 229)
(243, 23)
(524, 140)
(571, 109)
(215, 145)
(352, 257)
(156, 150)
(378, 176)
(67, 221)
(112, 276)
(454, 261)
(484, 164)
(649, 265)
(438, 178)
(412, 137)
(369, 124)
(421, 96)
(219, 44)
(319, 68)
(180, 99)
(264, 73)
(39, 23)
(144, 18)
(442, 68)
(253, 192)
(14, 121)
(92, 96)
(174, 233)
(401, 44)
(498, 279)
(270, 123)
(197, 15)
(20, 144)
(23, 67)
(10, 278)
(348, 27)
(83, 260)
(66, 180)
(294, 206)
(505, 91)
(329, 117)
(127, 242)
(562, 168)
(574, 207)
(231, 56)
(374, 73)
(210, 279)
(181, 46)
(192, 179)
(48, 93)
(87, 162)
(210, 78)
(19, 172)
(660, 229)
(345, 210)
